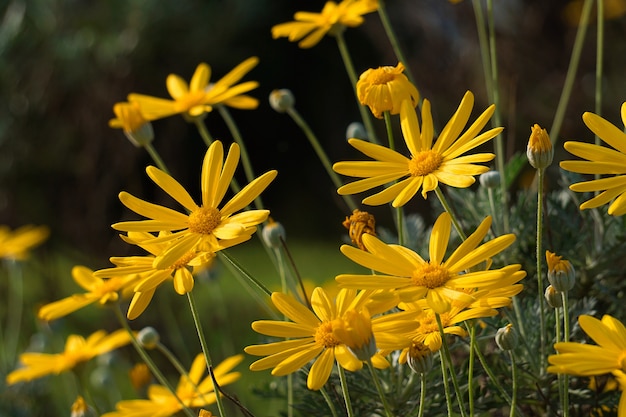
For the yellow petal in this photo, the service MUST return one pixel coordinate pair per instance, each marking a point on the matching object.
(320, 371)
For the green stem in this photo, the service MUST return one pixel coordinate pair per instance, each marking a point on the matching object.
(557, 314)
(205, 350)
(540, 289)
(365, 113)
(395, 45)
(293, 113)
(285, 290)
(379, 388)
(156, 157)
(244, 273)
(447, 358)
(148, 361)
(295, 269)
(420, 411)
(483, 41)
(171, 358)
(329, 402)
(446, 387)
(344, 390)
(204, 132)
(514, 377)
(571, 71)
(448, 208)
(566, 330)
(494, 214)
(598, 98)
(392, 146)
(470, 367)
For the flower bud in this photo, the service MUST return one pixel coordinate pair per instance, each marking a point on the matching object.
(282, 100)
(81, 409)
(539, 150)
(506, 338)
(356, 130)
(137, 129)
(490, 179)
(273, 233)
(148, 337)
(561, 273)
(359, 223)
(419, 358)
(553, 297)
(204, 413)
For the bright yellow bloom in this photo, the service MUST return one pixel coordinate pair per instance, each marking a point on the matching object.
(333, 19)
(16, 244)
(608, 356)
(191, 390)
(198, 97)
(428, 163)
(385, 88)
(205, 228)
(129, 118)
(77, 350)
(312, 334)
(440, 282)
(602, 161)
(99, 290)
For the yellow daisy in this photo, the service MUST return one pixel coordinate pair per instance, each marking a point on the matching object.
(309, 28)
(428, 163)
(205, 227)
(77, 350)
(99, 290)
(128, 117)
(191, 390)
(312, 335)
(198, 97)
(17, 243)
(602, 161)
(385, 88)
(440, 282)
(607, 356)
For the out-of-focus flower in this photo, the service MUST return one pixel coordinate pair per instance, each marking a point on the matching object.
(309, 28)
(613, 9)
(17, 243)
(140, 376)
(385, 88)
(137, 129)
(506, 337)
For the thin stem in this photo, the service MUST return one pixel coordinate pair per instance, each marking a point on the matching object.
(395, 45)
(494, 213)
(566, 330)
(148, 361)
(448, 208)
(170, 357)
(365, 113)
(420, 411)
(305, 296)
(379, 388)
(483, 41)
(448, 359)
(285, 289)
(321, 154)
(244, 273)
(470, 367)
(540, 289)
(205, 350)
(597, 234)
(204, 132)
(557, 314)
(392, 146)
(156, 157)
(329, 402)
(571, 71)
(446, 387)
(514, 377)
(344, 390)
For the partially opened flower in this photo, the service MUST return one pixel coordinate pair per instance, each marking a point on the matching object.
(77, 350)
(441, 282)
(428, 164)
(309, 28)
(192, 390)
(385, 88)
(601, 160)
(17, 243)
(204, 227)
(128, 117)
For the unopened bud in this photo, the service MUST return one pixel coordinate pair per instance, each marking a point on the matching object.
(273, 234)
(419, 358)
(148, 337)
(539, 150)
(506, 338)
(553, 297)
(282, 100)
(356, 130)
(490, 179)
(81, 409)
(561, 273)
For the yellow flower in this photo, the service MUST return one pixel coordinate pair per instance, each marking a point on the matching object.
(333, 19)
(16, 244)
(428, 164)
(440, 282)
(196, 98)
(539, 150)
(129, 118)
(77, 350)
(99, 290)
(354, 330)
(205, 228)
(561, 273)
(608, 356)
(385, 88)
(602, 161)
(311, 334)
(191, 390)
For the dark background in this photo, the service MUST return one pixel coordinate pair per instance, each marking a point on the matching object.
(63, 64)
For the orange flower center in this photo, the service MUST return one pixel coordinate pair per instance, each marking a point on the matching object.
(324, 335)
(428, 323)
(430, 276)
(424, 163)
(204, 220)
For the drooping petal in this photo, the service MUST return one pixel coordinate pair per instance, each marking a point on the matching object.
(320, 371)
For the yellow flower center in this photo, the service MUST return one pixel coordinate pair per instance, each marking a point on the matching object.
(379, 76)
(204, 220)
(428, 322)
(424, 163)
(324, 335)
(430, 276)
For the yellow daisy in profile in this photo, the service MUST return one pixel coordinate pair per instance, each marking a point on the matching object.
(309, 28)
(312, 335)
(198, 97)
(440, 282)
(129, 118)
(385, 88)
(99, 291)
(205, 227)
(602, 161)
(428, 164)
(607, 356)
(192, 390)
(77, 350)
(17, 243)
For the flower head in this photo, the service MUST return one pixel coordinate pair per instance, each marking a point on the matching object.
(137, 129)
(205, 227)
(539, 149)
(77, 350)
(428, 163)
(440, 281)
(309, 28)
(359, 223)
(192, 391)
(385, 88)
(561, 273)
(16, 244)
(601, 160)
